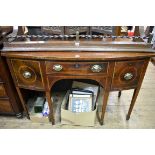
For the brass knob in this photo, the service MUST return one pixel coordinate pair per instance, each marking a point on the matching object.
(27, 75)
(57, 67)
(128, 76)
(96, 68)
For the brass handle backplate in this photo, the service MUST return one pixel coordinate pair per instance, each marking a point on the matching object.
(57, 67)
(128, 76)
(27, 75)
(96, 68)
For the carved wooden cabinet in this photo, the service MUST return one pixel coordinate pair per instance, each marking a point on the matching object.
(89, 30)
(53, 30)
(74, 29)
(67, 30)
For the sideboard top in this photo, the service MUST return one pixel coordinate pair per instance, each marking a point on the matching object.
(120, 49)
(124, 45)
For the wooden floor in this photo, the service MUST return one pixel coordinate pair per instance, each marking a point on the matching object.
(143, 115)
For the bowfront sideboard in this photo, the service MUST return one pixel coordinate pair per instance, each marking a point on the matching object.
(115, 65)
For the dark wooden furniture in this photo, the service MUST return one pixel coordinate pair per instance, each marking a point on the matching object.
(106, 30)
(53, 29)
(9, 101)
(73, 29)
(139, 30)
(115, 65)
(67, 30)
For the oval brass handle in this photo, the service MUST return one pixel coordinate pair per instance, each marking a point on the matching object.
(96, 68)
(128, 76)
(27, 75)
(57, 67)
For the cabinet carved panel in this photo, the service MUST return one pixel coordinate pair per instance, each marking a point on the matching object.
(53, 29)
(72, 29)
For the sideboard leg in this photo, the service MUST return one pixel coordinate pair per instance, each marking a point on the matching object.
(119, 94)
(50, 104)
(105, 100)
(135, 94)
(136, 91)
(107, 88)
(23, 102)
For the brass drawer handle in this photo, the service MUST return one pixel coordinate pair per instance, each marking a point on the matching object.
(77, 65)
(57, 67)
(96, 68)
(128, 76)
(27, 75)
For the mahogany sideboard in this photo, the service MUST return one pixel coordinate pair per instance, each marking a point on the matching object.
(115, 65)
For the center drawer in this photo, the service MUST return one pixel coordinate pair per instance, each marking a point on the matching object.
(76, 68)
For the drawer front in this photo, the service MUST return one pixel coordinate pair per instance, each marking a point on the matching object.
(5, 106)
(2, 91)
(127, 74)
(27, 73)
(76, 68)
